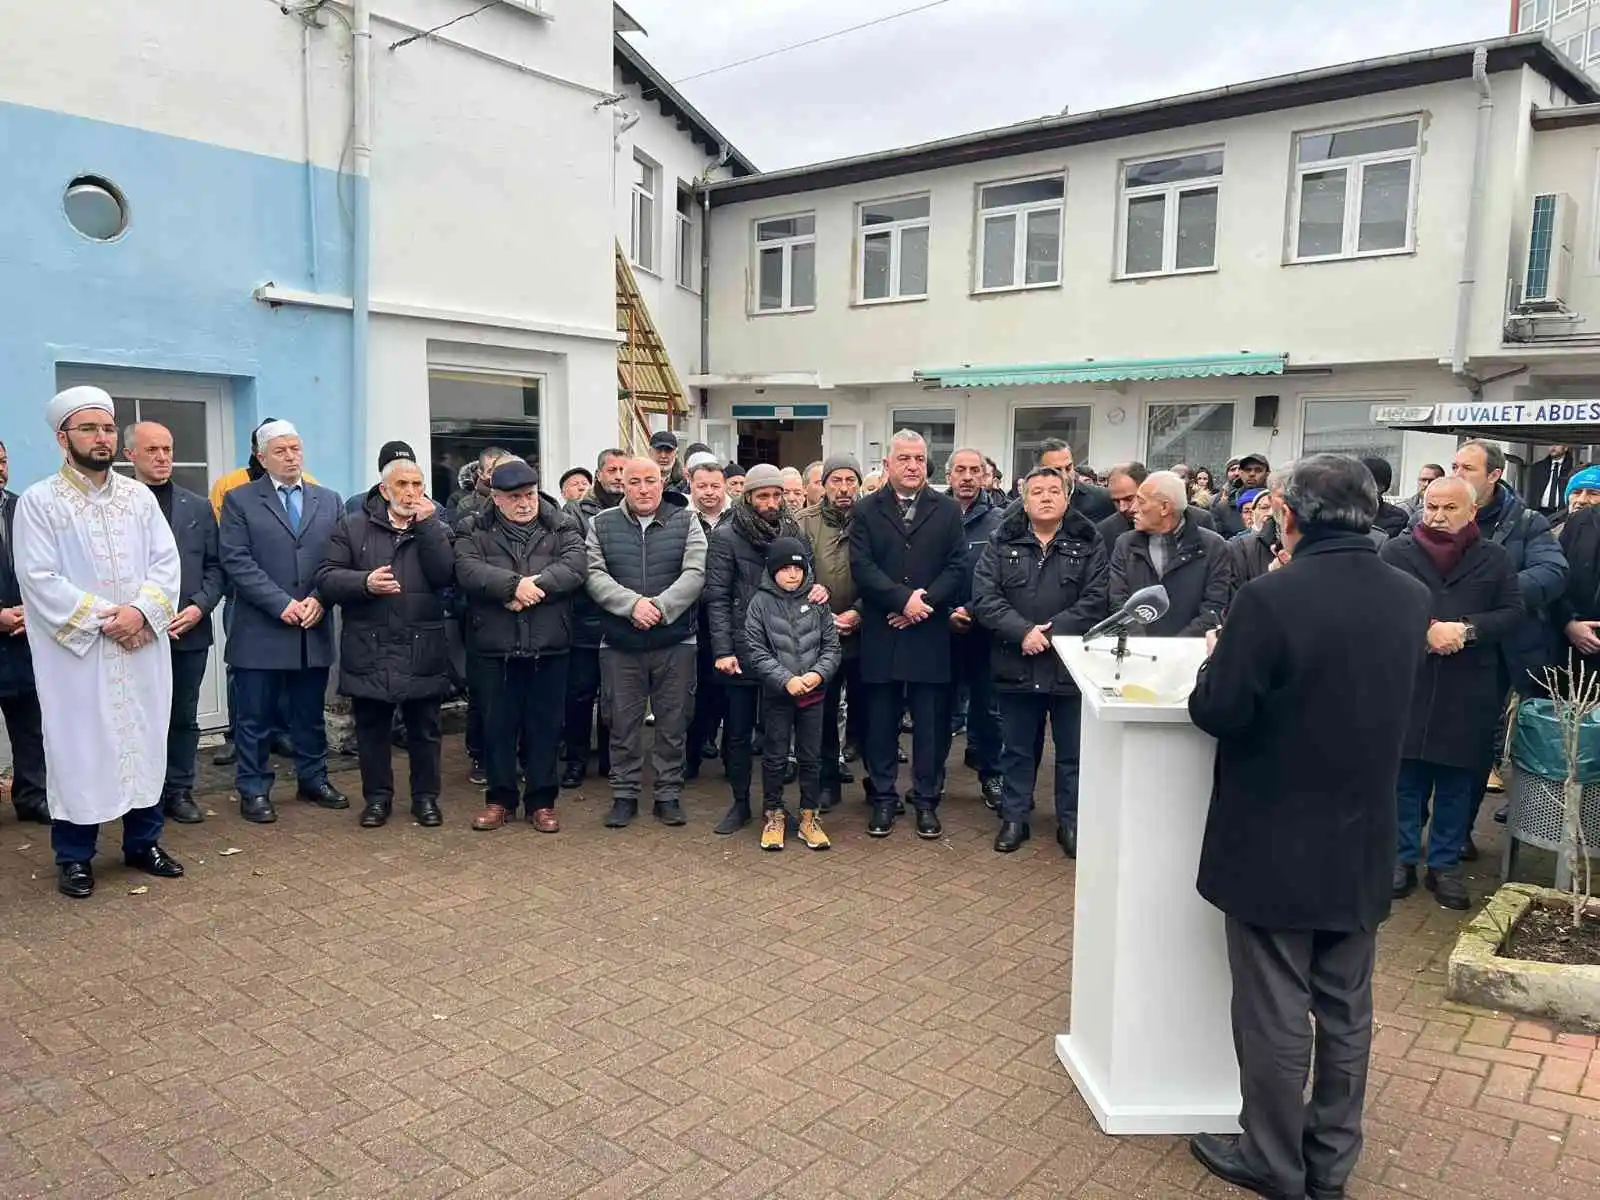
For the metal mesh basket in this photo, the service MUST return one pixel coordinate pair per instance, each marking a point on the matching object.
(1536, 810)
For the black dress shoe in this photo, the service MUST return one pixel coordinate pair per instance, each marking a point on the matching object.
(75, 879)
(323, 795)
(622, 814)
(1011, 836)
(374, 815)
(39, 812)
(572, 774)
(182, 809)
(1221, 1156)
(223, 757)
(1404, 881)
(669, 812)
(1067, 839)
(708, 751)
(1321, 1191)
(155, 861)
(850, 753)
(881, 823)
(846, 775)
(928, 826)
(991, 788)
(257, 808)
(426, 811)
(282, 746)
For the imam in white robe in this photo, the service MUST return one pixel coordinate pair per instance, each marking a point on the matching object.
(80, 553)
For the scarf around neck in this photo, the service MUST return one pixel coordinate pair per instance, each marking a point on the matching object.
(759, 533)
(1446, 550)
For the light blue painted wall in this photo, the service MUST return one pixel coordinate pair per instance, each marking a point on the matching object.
(208, 225)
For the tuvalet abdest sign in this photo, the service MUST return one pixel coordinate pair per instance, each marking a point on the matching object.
(1531, 412)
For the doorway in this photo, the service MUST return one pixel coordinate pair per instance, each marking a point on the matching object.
(470, 412)
(786, 443)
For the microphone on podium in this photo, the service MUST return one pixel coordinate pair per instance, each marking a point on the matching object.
(1144, 606)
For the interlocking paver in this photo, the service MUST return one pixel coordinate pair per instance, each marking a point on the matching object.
(654, 1012)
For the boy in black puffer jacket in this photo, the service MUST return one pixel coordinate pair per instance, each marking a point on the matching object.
(794, 652)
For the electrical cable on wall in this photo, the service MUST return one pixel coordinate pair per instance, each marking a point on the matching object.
(427, 33)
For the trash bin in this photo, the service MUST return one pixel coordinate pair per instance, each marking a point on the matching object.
(1539, 780)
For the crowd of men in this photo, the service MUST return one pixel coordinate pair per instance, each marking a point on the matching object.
(682, 593)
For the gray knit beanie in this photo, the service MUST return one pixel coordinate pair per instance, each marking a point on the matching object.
(762, 475)
(840, 462)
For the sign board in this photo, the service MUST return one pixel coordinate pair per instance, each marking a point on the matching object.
(1522, 413)
(1401, 414)
(780, 412)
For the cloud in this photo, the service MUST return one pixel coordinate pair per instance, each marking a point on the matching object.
(974, 64)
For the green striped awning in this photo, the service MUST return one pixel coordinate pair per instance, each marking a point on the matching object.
(1107, 370)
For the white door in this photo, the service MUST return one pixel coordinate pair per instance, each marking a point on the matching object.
(193, 408)
(842, 437)
(719, 435)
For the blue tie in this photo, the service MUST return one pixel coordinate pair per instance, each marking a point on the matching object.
(291, 505)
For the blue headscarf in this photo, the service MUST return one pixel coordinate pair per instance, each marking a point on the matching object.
(1586, 480)
(1248, 497)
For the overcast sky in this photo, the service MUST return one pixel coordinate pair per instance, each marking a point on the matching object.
(973, 64)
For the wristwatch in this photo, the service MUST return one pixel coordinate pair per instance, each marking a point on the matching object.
(1469, 633)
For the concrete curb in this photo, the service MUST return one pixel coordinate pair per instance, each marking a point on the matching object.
(1477, 975)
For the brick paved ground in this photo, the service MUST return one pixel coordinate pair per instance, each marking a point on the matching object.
(655, 1013)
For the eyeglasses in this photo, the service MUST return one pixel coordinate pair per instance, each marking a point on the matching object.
(91, 430)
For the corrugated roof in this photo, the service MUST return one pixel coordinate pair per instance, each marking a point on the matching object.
(1107, 370)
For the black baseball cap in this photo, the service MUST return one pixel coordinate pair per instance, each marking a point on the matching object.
(1260, 459)
(663, 439)
(571, 471)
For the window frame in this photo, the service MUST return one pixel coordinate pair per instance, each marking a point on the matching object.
(652, 193)
(1080, 446)
(1173, 194)
(936, 456)
(787, 246)
(687, 225)
(1532, 21)
(1147, 451)
(897, 231)
(1020, 214)
(1368, 398)
(1355, 167)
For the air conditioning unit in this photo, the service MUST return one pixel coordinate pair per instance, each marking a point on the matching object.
(1551, 233)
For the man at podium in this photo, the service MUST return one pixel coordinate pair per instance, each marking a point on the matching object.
(1307, 692)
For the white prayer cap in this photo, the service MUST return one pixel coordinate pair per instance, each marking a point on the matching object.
(274, 429)
(74, 400)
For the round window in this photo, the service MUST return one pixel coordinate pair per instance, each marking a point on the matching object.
(96, 208)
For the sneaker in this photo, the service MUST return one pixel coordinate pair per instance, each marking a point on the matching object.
(572, 774)
(477, 775)
(1448, 889)
(991, 787)
(811, 831)
(1404, 881)
(1496, 784)
(772, 831)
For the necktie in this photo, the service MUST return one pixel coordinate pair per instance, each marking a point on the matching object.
(291, 505)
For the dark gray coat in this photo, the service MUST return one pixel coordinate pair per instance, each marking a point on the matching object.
(269, 565)
(1198, 580)
(490, 562)
(788, 635)
(390, 647)
(194, 528)
(890, 560)
(16, 662)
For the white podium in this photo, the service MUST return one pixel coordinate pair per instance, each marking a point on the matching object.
(1151, 1047)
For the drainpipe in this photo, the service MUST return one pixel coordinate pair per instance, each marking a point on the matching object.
(705, 300)
(1469, 256)
(361, 236)
(311, 171)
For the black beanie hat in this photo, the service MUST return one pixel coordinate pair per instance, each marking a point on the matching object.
(785, 552)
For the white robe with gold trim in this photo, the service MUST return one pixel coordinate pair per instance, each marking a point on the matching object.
(81, 552)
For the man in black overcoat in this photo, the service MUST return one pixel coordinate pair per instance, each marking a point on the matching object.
(906, 553)
(1307, 693)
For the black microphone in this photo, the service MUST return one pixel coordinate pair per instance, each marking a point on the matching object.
(1144, 606)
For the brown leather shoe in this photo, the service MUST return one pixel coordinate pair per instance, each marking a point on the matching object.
(544, 820)
(492, 817)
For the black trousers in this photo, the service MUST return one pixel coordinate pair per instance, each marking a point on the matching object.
(1281, 980)
(522, 715)
(183, 729)
(583, 689)
(781, 718)
(1022, 720)
(929, 706)
(374, 721)
(848, 676)
(25, 731)
(710, 703)
(743, 707)
(474, 734)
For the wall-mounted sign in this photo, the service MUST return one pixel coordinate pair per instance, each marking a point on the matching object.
(780, 412)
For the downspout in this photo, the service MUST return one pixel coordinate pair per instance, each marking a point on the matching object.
(705, 301)
(311, 171)
(361, 235)
(1469, 256)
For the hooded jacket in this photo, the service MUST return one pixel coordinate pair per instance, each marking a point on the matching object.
(788, 635)
(1019, 584)
(734, 571)
(491, 560)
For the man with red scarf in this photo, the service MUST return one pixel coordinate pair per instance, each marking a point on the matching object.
(1450, 736)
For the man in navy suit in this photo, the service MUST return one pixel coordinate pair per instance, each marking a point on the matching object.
(19, 702)
(274, 535)
(148, 446)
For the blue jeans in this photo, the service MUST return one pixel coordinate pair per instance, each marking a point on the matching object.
(260, 694)
(1454, 802)
(141, 829)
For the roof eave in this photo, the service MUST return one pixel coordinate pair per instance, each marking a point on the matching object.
(1239, 100)
(636, 69)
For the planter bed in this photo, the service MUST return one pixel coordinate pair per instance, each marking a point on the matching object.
(1566, 993)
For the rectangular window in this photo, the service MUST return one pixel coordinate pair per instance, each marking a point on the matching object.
(688, 239)
(1355, 191)
(1345, 427)
(1198, 434)
(1594, 45)
(937, 427)
(642, 245)
(1019, 234)
(786, 263)
(1169, 214)
(894, 249)
(1573, 48)
(1532, 14)
(1030, 426)
(186, 421)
